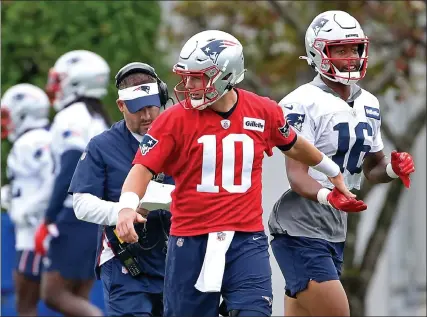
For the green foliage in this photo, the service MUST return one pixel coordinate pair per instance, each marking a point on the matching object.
(35, 34)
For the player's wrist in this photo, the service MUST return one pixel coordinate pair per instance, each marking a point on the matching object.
(128, 200)
(322, 196)
(390, 172)
(327, 167)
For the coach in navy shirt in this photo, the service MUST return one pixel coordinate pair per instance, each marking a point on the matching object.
(96, 188)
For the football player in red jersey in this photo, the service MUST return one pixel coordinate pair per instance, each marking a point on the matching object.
(213, 143)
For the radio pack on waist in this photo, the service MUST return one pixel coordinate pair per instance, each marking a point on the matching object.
(130, 253)
(123, 251)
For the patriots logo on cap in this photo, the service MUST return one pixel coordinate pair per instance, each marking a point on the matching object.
(147, 143)
(214, 48)
(296, 120)
(143, 88)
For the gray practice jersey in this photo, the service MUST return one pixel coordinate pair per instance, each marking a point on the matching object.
(345, 132)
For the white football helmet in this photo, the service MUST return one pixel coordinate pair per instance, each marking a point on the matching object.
(214, 56)
(336, 28)
(23, 107)
(77, 74)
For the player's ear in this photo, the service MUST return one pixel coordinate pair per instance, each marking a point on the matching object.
(120, 105)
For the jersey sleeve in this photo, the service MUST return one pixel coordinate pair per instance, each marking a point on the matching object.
(89, 175)
(36, 158)
(373, 115)
(68, 135)
(157, 144)
(377, 144)
(298, 117)
(282, 134)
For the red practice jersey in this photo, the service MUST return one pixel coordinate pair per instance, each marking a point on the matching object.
(216, 163)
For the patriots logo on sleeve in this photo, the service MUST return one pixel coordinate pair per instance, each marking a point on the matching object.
(214, 48)
(147, 143)
(296, 120)
(285, 130)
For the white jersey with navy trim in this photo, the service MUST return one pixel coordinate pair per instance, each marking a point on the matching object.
(30, 171)
(343, 130)
(72, 129)
(344, 133)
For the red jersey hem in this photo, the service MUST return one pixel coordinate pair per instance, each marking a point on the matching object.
(186, 233)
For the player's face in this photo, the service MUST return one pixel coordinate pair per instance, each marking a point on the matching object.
(340, 55)
(140, 121)
(196, 84)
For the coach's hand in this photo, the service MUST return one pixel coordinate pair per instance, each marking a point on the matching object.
(125, 224)
(337, 200)
(338, 182)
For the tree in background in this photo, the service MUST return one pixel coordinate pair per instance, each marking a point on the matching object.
(272, 33)
(35, 34)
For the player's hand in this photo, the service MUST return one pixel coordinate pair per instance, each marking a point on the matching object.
(338, 182)
(125, 228)
(403, 165)
(42, 237)
(337, 200)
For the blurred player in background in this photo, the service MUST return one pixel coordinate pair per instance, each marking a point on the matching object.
(132, 274)
(343, 121)
(24, 121)
(76, 83)
(213, 144)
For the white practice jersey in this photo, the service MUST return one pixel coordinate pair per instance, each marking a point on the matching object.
(30, 172)
(343, 132)
(72, 129)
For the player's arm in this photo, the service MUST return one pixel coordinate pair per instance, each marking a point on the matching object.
(37, 162)
(154, 150)
(71, 145)
(301, 154)
(378, 169)
(301, 150)
(133, 190)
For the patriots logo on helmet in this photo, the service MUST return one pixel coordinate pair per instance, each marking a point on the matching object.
(296, 120)
(143, 88)
(147, 143)
(19, 96)
(318, 24)
(74, 60)
(214, 48)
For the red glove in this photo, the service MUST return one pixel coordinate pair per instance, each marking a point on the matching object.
(402, 165)
(41, 234)
(337, 200)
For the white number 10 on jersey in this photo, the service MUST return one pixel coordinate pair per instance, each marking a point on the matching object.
(207, 184)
